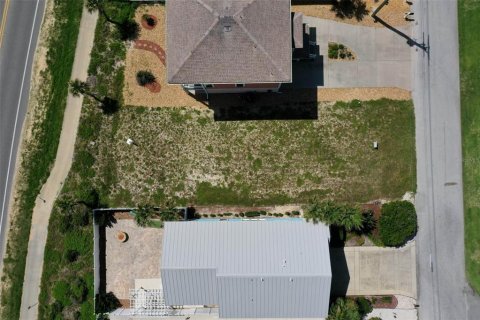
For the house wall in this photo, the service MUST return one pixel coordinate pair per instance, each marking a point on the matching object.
(232, 88)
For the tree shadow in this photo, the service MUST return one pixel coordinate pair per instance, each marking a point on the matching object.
(109, 106)
(348, 9)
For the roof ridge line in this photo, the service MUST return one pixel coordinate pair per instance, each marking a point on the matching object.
(195, 47)
(254, 40)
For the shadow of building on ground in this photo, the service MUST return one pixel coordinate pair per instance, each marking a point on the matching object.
(340, 274)
(288, 104)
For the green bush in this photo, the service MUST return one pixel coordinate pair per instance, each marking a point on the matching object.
(213, 215)
(364, 306)
(61, 292)
(251, 214)
(71, 255)
(344, 309)
(340, 215)
(78, 290)
(398, 223)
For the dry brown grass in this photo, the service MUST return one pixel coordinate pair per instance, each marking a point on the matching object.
(364, 94)
(392, 13)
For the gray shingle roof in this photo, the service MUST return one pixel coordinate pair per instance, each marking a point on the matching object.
(228, 41)
(278, 268)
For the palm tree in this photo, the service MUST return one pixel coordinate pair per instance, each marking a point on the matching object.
(128, 29)
(143, 215)
(78, 87)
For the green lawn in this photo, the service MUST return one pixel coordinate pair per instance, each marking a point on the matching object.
(469, 22)
(41, 149)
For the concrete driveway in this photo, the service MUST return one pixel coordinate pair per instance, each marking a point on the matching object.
(383, 57)
(374, 271)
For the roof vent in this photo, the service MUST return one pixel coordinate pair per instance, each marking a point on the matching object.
(284, 263)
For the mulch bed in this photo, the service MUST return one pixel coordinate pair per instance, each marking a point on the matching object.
(152, 47)
(146, 25)
(379, 304)
(154, 87)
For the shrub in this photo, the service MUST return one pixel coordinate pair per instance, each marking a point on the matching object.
(61, 292)
(213, 215)
(288, 213)
(398, 223)
(150, 21)
(364, 306)
(143, 215)
(55, 310)
(106, 302)
(269, 213)
(375, 318)
(228, 214)
(242, 214)
(78, 291)
(368, 222)
(386, 299)
(220, 214)
(237, 215)
(344, 309)
(296, 213)
(71, 255)
(251, 214)
(145, 77)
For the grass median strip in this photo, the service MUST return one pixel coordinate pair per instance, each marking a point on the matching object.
(39, 151)
(469, 20)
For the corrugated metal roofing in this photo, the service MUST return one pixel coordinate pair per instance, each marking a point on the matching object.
(278, 268)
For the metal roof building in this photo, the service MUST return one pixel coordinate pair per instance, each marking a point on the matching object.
(277, 268)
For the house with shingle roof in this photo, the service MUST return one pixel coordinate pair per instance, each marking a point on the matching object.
(219, 46)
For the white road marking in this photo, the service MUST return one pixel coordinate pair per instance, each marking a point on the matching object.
(16, 118)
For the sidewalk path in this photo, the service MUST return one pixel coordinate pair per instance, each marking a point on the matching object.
(63, 162)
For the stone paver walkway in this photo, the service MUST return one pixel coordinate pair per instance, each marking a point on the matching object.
(383, 57)
(152, 47)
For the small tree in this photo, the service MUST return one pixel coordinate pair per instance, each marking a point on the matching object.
(398, 223)
(364, 306)
(340, 215)
(145, 77)
(344, 309)
(143, 215)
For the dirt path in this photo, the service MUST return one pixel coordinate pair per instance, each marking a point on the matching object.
(63, 162)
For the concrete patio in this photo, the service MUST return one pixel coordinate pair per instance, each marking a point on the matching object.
(137, 258)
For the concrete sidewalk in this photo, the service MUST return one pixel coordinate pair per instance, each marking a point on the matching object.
(383, 57)
(375, 271)
(51, 189)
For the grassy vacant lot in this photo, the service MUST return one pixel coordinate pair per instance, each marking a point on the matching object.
(184, 156)
(469, 19)
(41, 149)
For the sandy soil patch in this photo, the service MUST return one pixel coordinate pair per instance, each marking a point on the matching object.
(364, 94)
(392, 13)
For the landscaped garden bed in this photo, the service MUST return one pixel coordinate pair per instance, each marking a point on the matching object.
(338, 51)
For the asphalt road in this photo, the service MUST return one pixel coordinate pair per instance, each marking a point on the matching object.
(22, 25)
(444, 293)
